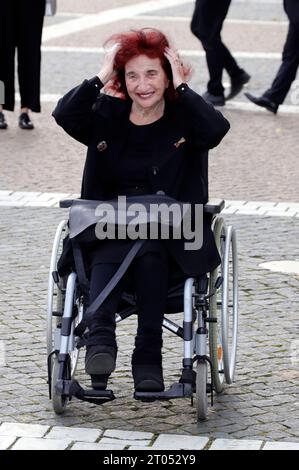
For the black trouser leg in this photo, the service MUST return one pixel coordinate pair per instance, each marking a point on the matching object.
(150, 275)
(288, 69)
(102, 326)
(29, 20)
(7, 51)
(206, 25)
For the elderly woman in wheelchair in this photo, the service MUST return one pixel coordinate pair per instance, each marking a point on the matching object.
(147, 140)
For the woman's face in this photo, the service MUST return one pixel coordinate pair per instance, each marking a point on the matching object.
(146, 81)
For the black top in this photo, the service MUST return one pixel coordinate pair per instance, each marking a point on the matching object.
(128, 178)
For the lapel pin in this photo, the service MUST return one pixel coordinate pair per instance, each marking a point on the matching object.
(181, 141)
(102, 146)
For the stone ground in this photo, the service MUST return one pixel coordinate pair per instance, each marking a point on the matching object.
(256, 161)
(261, 404)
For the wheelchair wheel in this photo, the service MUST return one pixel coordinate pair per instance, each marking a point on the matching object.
(66, 344)
(201, 390)
(223, 334)
(56, 292)
(59, 401)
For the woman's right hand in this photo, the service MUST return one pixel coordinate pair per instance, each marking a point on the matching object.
(107, 70)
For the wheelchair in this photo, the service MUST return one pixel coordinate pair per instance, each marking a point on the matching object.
(209, 330)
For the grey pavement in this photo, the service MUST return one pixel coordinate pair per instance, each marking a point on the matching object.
(256, 161)
(262, 404)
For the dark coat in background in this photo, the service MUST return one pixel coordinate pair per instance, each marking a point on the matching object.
(180, 171)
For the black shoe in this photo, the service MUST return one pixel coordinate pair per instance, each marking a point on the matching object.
(24, 122)
(3, 123)
(99, 382)
(215, 100)
(100, 359)
(263, 102)
(237, 84)
(148, 378)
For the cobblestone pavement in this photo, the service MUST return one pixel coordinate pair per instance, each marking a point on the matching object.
(263, 402)
(257, 161)
(16, 436)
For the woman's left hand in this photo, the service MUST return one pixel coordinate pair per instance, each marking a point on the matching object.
(177, 68)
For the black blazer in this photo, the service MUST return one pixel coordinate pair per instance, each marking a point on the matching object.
(94, 118)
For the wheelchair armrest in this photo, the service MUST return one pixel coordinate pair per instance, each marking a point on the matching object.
(214, 206)
(65, 203)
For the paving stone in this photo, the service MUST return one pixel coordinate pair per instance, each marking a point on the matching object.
(74, 434)
(116, 434)
(124, 442)
(6, 441)
(20, 429)
(173, 441)
(281, 446)
(28, 443)
(91, 446)
(235, 444)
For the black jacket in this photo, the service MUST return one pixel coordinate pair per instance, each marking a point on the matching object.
(92, 118)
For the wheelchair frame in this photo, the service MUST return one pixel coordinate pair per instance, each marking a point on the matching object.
(203, 297)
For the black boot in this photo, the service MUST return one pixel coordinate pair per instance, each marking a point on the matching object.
(100, 359)
(148, 377)
(101, 347)
(99, 382)
(147, 361)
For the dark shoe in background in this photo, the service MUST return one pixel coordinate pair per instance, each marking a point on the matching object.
(100, 359)
(24, 122)
(3, 123)
(215, 100)
(148, 378)
(263, 102)
(237, 84)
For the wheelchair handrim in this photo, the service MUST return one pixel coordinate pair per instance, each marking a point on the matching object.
(53, 267)
(229, 355)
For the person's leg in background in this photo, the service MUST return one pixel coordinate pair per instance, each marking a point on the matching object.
(7, 57)
(276, 94)
(151, 278)
(101, 347)
(30, 25)
(206, 25)
(288, 69)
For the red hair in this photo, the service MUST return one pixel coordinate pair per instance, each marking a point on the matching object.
(146, 41)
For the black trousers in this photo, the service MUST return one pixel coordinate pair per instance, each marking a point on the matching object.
(290, 59)
(206, 25)
(21, 29)
(149, 276)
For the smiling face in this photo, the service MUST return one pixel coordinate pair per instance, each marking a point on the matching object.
(146, 81)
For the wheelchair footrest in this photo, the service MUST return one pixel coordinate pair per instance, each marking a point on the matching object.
(177, 390)
(98, 397)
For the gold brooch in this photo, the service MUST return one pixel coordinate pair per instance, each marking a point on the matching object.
(179, 142)
(102, 146)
